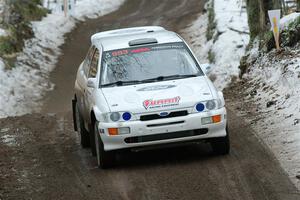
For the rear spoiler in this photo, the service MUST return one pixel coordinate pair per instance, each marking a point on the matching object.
(143, 41)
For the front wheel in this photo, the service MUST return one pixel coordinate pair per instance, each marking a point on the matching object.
(221, 146)
(105, 159)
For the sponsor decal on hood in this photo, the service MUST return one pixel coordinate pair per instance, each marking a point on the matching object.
(161, 103)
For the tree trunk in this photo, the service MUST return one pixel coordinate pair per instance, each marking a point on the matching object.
(257, 16)
(284, 8)
(276, 4)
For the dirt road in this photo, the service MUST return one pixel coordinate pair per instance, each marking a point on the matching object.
(41, 157)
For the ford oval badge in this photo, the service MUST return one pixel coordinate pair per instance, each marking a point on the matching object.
(163, 114)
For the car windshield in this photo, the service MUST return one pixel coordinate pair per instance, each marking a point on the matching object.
(148, 64)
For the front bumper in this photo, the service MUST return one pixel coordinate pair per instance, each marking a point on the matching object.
(160, 126)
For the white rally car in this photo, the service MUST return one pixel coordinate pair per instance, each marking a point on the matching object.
(141, 88)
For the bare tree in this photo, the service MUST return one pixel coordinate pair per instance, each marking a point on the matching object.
(276, 4)
(258, 14)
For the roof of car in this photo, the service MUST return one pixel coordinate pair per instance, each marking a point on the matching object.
(120, 38)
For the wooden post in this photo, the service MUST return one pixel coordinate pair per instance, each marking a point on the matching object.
(276, 32)
(66, 7)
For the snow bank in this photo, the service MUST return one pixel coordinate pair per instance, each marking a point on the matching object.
(286, 20)
(22, 87)
(274, 78)
(196, 35)
(232, 28)
(229, 42)
(2, 32)
(275, 81)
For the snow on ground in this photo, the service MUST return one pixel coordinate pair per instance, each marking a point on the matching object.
(229, 43)
(286, 20)
(232, 28)
(2, 32)
(9, 140)
(275, 79)
(196, 34)
(22, 87)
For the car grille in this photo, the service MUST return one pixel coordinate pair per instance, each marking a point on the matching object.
(157, 116)
(166, 136)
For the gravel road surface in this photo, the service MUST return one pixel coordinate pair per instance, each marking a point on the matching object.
(41, 157)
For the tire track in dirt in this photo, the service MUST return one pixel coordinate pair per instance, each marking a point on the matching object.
(48, 162)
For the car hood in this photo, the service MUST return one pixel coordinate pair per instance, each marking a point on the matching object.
(164, 95)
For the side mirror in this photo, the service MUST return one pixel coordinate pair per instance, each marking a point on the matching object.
(206, 67)
(91, 83)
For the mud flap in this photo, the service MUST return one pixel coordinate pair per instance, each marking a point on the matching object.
(74, 114)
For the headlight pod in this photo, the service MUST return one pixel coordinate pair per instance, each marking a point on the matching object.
(115, 116)
(200, 107)
(126, 116)
(211, 105)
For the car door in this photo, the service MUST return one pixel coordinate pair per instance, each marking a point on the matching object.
(93, 70)
(84, 72)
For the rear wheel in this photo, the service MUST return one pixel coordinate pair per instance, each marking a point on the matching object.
(84, 134)
(221, 146)
(105, 159)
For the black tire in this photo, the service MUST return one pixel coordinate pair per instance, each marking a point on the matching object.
(221, 146)
(105, 159)
(84, 134)
(92, 139)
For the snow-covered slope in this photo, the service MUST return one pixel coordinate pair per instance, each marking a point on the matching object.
(22, 87)
(274, 79)
(229, 42)
(274, 82)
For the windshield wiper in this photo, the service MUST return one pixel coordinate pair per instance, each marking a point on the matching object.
(121, 83)
(159, 78)
(162, 78)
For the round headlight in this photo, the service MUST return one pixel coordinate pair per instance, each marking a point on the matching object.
(210, 105)
(200, 107)
(115, 116)
(126, 116)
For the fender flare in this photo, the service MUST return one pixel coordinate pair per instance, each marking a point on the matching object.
(97, 113)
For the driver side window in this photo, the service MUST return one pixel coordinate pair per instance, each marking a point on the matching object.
(87, 60)
(94, 65)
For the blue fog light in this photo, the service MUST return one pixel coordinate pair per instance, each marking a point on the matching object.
(200, 107)
(126, 116)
